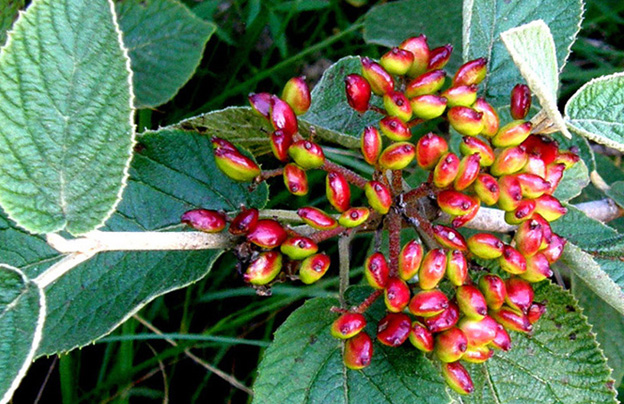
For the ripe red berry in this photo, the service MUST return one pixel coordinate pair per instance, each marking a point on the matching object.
(478, 332)
(380, 80)
(456, 267)
(471, 302)
(520, 101)
(358, 351)
(489, 118)
(316, 218)
(421, 337)
(260, 103)
(429, 149)
(427, 303)
(376, 270)
(396, 295)
(512, 261)
(446, 170)
(449, 238)
(468, 171)
(370, 144)
(457, 377)
(450, 345)
(418, 47)
(358, 92)
(209, 221)
(512, 320)
(494, 290)
(280, 142)
(439, 57)
(338, 191)
(395, 129)
(393, 330)
(295, 179)
(443, 321)
(465, 120)
(472, 72)
(348, 325)
(244, 222)
(519, 294)
(283, 117)
(397, 156)
(267, 234)
(410, 258)
(432, 269)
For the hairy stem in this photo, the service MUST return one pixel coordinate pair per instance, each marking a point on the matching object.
(345, 265)
(351, 176)
(367, 302)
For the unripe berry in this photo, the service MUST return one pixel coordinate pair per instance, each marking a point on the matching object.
(338, 191)
(538, 268)
(429, 149)
(307, 154)
(508, 161)
(397, 61)
(478, 332)
(297, 94)
(397, 156)
(316, 218)
(376, 270)
(358, 92)
(244, 222)
(457, 377)
(235, 165)
(379, 196)
(529, 237)
(428, 106)
(485, 245)
(468, 171)
(465, 120)
(267, 234)
(443, 321)
(370, 144)
(421, 337)
(418, 47)
(502, 340)
(547, 232)
(427, 83)
(555, 248)
(295, 179)
(512, 319)
(396, 295)
(459, 221)
(432, 269)
(348, 325)
(494, 290)
(471, 302)
(209, 221)
(264, 268)
(512, 261)
(439, 57)
(472, 72)
(472, 145)
(260, 103)
(549, 207)
(489, 118)
(520, 101)
(380, 80)
(519, 294)
(477, 354)
(396, 104)
(567, 158)
(280, 142)
(358, 351)
(536, 310)
(450, 345)
(487, 189)
(410, 258)
(460, 95)
(533, 186)
(455, 203)
(449, 238)
(313, 268)
(446, 170)
(427, 303)
(393, 330)
(535, 165)
(353, 217)
(510, 192)
(512, 134)
(554, 173)
(523, 212)
(298, 247)
(456, 267)
(283, 117)
(394, 128)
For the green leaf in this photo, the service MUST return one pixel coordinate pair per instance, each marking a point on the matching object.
(304, 350)
(9, 12)
(485, 20)
(330, 109)
(165, 41)
(587, 233)
(22, 313)
(172, 171)
(607, 323)
(559, 363)
(616, 192)
(66, 131)
(595, 111)
(574, 180)
(532, 48)
(441, 21)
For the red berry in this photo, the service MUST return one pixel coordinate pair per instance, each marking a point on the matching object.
(396, 295)
(358, 92)
(427, 303)
(209, 221)
(348, 325)
(244, 222)
(283, 117)
(358, 351)
(316, 218)
(297, 94)
(520, 101)
(457, 377)
(338, 191)
(376, 270)
(393, 330)
(267, 234)
(380, 80)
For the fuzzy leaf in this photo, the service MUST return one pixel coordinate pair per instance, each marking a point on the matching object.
(574, 180)
(9, 12)
(165, 41)
(596, 111)
(616, 192)
(66, 131)
(22, 313)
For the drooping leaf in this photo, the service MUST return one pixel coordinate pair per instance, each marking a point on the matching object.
(9, 12)
(173, 171)
(304, 350)
(607, 323)
(559, 363)
(441, 21)
(165, 41)
(485, 20)
(532, 49)
(595, 111)
(616, 192)
(66, 129)
(587, 233)
(574, 180)
(22, 314)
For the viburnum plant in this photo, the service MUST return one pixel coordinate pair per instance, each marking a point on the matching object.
(457, 187)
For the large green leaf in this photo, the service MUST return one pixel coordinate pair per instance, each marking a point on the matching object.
(616, 192)
(172, 171)
(304, 365)
(559, 363)
(485, 20)
(66, 129)
(165, 41)
(587, 233)
(596, 111)
(440, 20)
(9, 12)
(22, 313)
(573, 181)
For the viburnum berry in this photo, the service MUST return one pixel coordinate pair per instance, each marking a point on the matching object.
(267, 233)
(370, 144)
(394, 128)
(443, 321)
(397, 61)
(472, 72)
(209, 221)
(429, 149)
(380, 80)
(427, 83)
(427, 303)
(494, 290)
(298, 247)
(457, 377)
(354, 217)
(297, 94)
(264, 269)
(520, 101)
(439, 57)
(428, 106)
(313, 268)
(450, 345)
(358, 351)
(410, 258)
(465, 120)
(307, 154)
(456, 267)
(244, 222)
(393, 330)
(358, 92)
(316, 218)
(421, 337)
(419, 48)
(432, 269)
(348, 325)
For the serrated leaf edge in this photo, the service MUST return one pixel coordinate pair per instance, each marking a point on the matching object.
(36, 338)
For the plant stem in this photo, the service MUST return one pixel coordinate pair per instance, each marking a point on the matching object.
(344, 265)
(351, 176)
(326, 234)
(394, 233)
(368, 301)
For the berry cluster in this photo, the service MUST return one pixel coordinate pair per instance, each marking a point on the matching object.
(437, 295)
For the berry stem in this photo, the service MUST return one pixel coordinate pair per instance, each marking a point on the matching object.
(326, 234)
(367, 302)
(377, 109)
(351, 176)
(266, 174)
(344, 243)
(394, 232)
